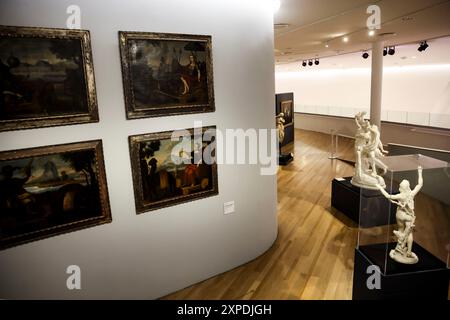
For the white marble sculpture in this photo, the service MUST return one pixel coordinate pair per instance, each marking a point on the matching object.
(406, 218)
(368, 151)
(280, 126)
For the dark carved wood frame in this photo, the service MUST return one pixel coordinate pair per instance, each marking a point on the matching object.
(48, 121)
(166, 110)
(95, 145)
(141, 205)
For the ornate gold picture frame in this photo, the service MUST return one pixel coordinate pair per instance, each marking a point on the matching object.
(46, 78)
(159, 181)
(51, 190)
(166, 74)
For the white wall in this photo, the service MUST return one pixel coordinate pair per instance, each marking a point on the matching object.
(410, 93)
(405, 134)
(153, 254)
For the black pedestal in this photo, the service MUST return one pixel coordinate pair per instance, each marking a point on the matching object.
(346, 198)
(284, 159)
(427, 279)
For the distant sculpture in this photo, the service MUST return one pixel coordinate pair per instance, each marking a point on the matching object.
(368, 151)
(405, 220)
(280, 126)
(283, 159)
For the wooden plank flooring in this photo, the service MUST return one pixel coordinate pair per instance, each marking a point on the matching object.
(312, 257)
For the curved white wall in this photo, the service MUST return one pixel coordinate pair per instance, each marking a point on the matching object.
(153, 254)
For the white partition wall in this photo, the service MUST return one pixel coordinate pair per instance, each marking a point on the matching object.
(418, 95)
(155, 253)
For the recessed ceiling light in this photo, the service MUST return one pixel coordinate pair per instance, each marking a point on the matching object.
(326, 45)
(371, 33)
(345, 39)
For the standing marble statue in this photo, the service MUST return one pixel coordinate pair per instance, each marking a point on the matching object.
(368, 151)
(406, 218)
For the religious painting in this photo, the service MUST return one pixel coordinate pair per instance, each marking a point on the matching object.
(51, 190)
(166, 74)
(173, 167)
(46, 78)
(287, 109)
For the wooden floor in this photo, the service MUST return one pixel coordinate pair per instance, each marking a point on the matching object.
(312, 257)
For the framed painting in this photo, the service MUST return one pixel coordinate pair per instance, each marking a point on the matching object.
(166, 74)
(287, 108)
(46, 78)
(51, 190)
(167, 171)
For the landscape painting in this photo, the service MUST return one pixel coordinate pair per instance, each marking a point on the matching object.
(288, 110)
(167, 172)
(46, 78)
(166, 74)
(50, 190)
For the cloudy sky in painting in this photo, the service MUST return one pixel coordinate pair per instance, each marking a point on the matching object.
(152, 51)
(29, 50)
(37, 166)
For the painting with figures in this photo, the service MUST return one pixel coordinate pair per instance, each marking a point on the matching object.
(167, 172)
(288, 111)
(166, 74)
(50, 190)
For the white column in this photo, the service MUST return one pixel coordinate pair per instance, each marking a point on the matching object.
(376, 83)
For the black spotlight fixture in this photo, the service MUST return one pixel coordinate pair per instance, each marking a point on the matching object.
(391, 51)
(310, 63)
(316, 62)
(423, 46)
(384, 51)
(304, 63)
(365, 55)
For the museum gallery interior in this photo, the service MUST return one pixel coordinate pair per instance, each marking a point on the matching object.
(259, 149)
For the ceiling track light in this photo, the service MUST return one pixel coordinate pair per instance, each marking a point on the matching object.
(304, 63)
(310, 63)
(385, 51)
(391, 51)
(316, 62)
(365, 55)
(423, 46)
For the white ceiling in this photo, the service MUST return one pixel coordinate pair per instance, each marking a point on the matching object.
(312, 23)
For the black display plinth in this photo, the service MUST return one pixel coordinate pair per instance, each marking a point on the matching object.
(284, 159)
(427, 279)
(346, 198)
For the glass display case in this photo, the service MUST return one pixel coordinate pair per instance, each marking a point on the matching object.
(414, 236)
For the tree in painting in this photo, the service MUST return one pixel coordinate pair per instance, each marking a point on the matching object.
(48, 190)
(168, 72)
